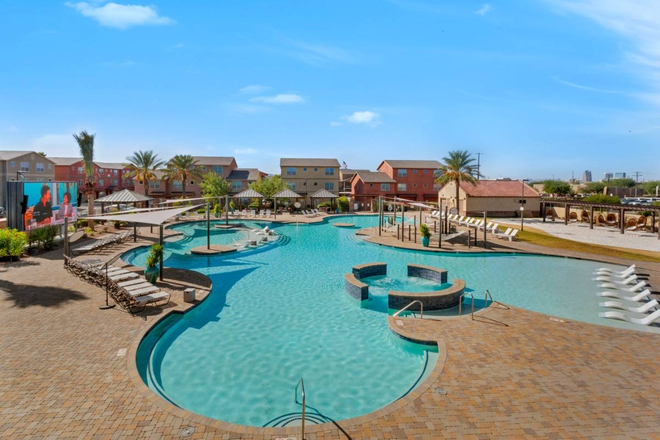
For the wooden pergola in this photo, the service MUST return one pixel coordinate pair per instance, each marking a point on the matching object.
(620, 208)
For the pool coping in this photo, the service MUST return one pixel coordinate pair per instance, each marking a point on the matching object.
(158, 401)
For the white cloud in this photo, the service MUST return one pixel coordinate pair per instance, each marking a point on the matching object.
(366, 117)
(485, 9)
(121, 16)
(336, 124)
(245, 151)
(254, 89)
(247, 109)
(282, 98)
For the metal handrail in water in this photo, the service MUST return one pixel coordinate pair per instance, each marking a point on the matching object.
(492, 301)
(460, 304)
(301, 383)
(421, 308)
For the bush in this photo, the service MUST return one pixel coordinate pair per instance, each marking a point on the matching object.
(12, 242)
(558, 187)
(425, 231)
(621, 183)
(89, 232)
(154, 256)
(82, 223)
(602, 198)
(324, 205)
(254, 204)
(594, 188)
(342, 203)
(201, 211)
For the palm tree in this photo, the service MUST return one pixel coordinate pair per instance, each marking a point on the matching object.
(142, 166)
(86, 145)
(457, 168)
(181, 167)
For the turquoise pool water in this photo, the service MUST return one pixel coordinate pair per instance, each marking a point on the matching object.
(279, 312)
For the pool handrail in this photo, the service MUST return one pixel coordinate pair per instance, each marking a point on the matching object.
(421, 308)
(460, 304)
(301, 383)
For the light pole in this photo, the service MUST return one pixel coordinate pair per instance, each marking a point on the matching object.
(522, 203)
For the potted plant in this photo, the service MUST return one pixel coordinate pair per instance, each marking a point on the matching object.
(426, 234)
(12, 243)
(50, 232)
(151, 272)
(33, 237)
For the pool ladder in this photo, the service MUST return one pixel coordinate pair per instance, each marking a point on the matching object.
(421, 309)
(301, 384)
(487, 295)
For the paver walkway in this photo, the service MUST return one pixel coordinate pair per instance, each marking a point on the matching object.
(62, 374)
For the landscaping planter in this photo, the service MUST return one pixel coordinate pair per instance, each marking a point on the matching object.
(151, 274)
(426, 241)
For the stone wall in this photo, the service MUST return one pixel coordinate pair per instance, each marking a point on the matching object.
(428, 273)
(441, 299)
(356, 288)
(369, 270)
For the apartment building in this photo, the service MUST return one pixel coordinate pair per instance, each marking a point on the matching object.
(109, 176)
(307, 176)
(415, 179)
(241, 178)
(499, 198)
(30, 165)
(367, 186)
(345, 178)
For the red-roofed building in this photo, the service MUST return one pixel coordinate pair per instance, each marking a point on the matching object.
(367, 186)
(415, 179)
(500, 198)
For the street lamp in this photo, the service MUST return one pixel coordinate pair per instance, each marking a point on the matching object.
(19, 176)
(522, 203)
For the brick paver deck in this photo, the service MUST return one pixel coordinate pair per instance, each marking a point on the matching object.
(62, 374)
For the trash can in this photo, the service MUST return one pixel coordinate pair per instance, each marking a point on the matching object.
(189, 295)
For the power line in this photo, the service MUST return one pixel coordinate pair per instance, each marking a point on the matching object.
(479, 166)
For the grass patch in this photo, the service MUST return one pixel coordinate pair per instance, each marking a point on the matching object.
(541, 238)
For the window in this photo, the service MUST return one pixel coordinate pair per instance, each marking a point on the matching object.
(115, 172)
(50, 166)
(237, 185)
(402, 172)
(414, 185)
(73, 168)
(414, 171)
(426, 185)
(292, 186)
(316, 169)
(384, 186)
(100, 182)
(192, 182)
(114, 182)
(401, 187)
(40, 167)
(154, 184)
(305, 169)
(177, 185)
(329, 171)
(316, 183)
(80, 182)
(12, 163)
(217, 170)
(329, 186)
(25, 166)
(436, 187)
(80, 170)
(203, 168)
(426, 171)
(371, 185)
(100, 170)
(290, 171)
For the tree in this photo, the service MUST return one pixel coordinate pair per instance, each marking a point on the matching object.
(558, 187)
(214, 185)
(343, 204)
(457, 168)
(86, 144)
(181, 167)
(649, 187)
(621, 183)
(142, 166)
(42, 154)
(594, 188)
(268, 187)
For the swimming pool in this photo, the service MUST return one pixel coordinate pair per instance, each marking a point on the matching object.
(280, 312)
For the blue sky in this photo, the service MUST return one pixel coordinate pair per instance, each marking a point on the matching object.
(542, 87)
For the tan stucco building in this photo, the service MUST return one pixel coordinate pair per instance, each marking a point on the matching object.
(30, 164)
(307, 176)
(499, 198)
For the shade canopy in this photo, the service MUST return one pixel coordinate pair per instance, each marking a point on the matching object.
(155, 218)
(287, 194)
(248, 194)
(196, 199)
(323, 194)
(124, 196)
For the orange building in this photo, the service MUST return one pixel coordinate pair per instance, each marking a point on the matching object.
(414, 178)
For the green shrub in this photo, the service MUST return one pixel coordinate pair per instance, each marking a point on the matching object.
(425, 231)
(556, 187)
(593, 188)
(82, 223)
(201, 211)
(254, 204)
(342, 202)
(602, 198)
(89, 232)
(324, 205)
(12, 242)
(154, 255)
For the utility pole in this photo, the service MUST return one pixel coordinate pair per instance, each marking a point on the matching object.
(637, 174)
(479, 166)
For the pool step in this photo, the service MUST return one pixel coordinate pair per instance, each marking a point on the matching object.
(295, 419)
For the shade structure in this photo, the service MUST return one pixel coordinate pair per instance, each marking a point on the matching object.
(287, 194)
(155, 218)
(248, 194)
(124, 196)
(323, 194)
(195, 199)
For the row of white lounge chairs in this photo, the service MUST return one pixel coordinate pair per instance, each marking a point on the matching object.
(632, 293)
(478, 224)
(127, 288)
(105, 241)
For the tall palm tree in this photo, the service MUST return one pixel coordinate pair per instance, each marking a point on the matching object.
(143, 165)
(181, 167)
(458, 167)
(86, 144)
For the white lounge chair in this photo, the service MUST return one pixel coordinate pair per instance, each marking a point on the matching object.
(608, 270)
(478, 224)
(623, 274)
(625, 282)
(261, 213)
(619, 305)
(620, 295)
(458, 220)
(488, 226)
(268, 213)
(641, 321)
(636, 288)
